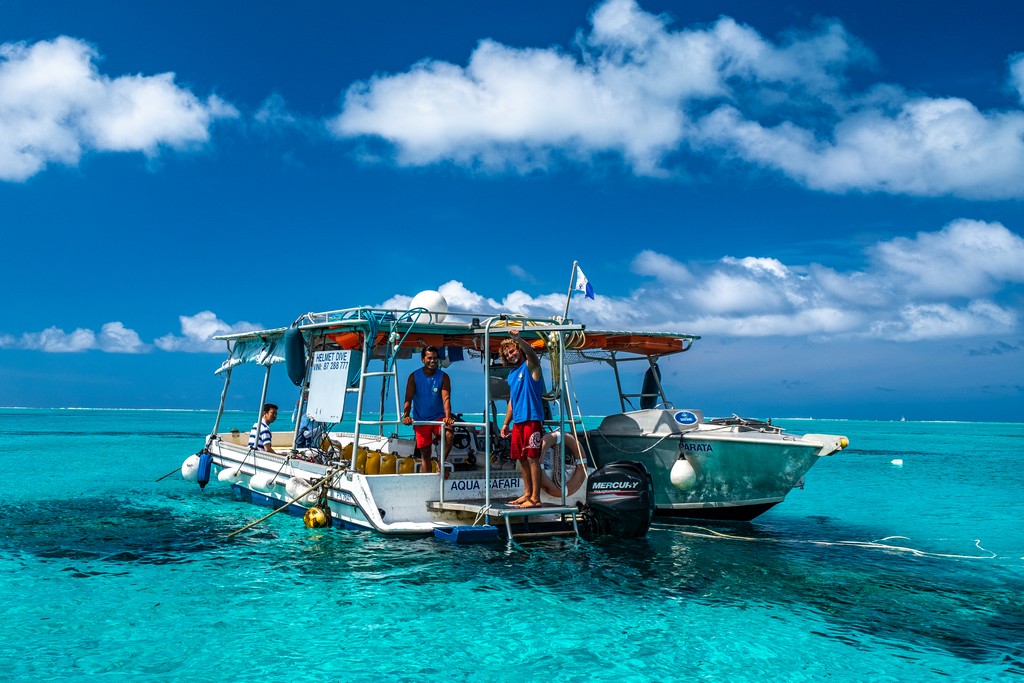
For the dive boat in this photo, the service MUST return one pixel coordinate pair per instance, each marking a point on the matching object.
(368, 478)
(610, 479)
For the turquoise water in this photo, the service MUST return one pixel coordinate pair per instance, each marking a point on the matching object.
(105, 572)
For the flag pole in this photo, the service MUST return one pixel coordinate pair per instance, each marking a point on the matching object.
(568, 296)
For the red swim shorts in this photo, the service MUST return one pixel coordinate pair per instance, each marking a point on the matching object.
(526, 437)
(426, 435)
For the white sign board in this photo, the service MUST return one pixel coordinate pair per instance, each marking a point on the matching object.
(328, 379)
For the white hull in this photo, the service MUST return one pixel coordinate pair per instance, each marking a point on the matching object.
(395, 504)
(738, 472)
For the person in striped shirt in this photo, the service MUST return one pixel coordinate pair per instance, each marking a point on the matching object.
(259, 436)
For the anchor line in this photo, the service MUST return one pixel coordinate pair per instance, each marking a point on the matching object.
(872, 545)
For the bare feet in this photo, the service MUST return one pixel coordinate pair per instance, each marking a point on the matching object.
(530, 504)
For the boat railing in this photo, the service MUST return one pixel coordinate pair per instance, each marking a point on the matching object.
(397, 324)
(441, 461)
(624, 396)
(420, 316)
(540, 327)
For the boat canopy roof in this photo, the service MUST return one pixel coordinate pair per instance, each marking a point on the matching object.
(416, 328)
(262, 348)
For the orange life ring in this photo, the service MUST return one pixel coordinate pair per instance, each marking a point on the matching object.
(550, 486)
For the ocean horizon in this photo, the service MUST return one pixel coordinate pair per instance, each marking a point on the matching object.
(773, 417)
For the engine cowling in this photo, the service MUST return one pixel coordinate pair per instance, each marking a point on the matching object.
(620, 500)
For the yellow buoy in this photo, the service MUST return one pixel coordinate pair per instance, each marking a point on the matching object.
(316, 518)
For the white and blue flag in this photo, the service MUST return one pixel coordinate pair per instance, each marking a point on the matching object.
(583, 284)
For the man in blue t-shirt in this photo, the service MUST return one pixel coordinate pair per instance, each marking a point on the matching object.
(525, 413)
(429, 395)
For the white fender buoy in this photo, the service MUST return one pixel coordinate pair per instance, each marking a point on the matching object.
(190, 468)
(298, 485)
(261, 482)
(232, 474)
(683, 476)
(898, 462)
(433, 302)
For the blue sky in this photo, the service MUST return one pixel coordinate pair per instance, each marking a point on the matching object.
(830, 194)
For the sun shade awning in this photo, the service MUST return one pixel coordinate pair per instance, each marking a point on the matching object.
(259, 351)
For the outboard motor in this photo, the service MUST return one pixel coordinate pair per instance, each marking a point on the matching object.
(620, 500)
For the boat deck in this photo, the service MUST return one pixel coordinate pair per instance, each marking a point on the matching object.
(506, 512)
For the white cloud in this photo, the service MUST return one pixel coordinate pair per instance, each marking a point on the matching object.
(197, 332)
(461, 299)
(856, 289)
(1017, 75)
(113, 337)
(55, 106)
(518, 302)
(521, 273)
(807, 322)
(274, 112)
(275, 116)
(918, 147)
(961, 281)
(116, 338)
(726, 292)
(658, 97)
(966, 258)
(760, 266)
(455, 293)
(56, 340)
(664, 268)
(507, 108)
(398, 302)
(939, 285)
(938, 321)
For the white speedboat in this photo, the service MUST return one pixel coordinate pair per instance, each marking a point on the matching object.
(708, 469)
(608, 479)
(720, 469)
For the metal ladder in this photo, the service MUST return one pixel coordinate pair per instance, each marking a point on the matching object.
(390, 371)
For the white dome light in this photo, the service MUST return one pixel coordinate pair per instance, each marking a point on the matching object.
(431, 301)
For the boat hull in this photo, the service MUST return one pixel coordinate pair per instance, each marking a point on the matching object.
(392, 504)
(736, 478)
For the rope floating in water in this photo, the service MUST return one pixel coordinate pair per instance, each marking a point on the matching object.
(873, 545)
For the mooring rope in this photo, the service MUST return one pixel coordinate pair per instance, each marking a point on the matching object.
(481, 512)
(325, 482)
(620, 450)
(873, 545)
